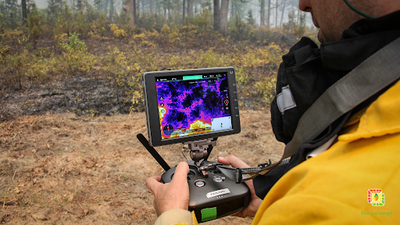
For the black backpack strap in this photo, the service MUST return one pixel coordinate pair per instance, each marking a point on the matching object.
(373, 75)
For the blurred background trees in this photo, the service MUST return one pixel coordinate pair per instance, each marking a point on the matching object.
(84, 16)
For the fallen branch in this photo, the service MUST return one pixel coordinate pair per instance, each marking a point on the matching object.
(84, 211)
(9, 126)
(4, 203)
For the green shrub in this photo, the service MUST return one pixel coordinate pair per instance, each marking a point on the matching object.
(240, 30)
(266, 88)
(74, 44)
(34, 26)
(75, 57)
(17, 65)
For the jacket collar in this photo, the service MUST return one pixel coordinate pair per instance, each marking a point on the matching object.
(361, 40)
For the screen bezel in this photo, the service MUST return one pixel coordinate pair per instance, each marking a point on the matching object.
(151, 102)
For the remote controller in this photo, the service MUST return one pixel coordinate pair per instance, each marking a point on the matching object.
(212, 196)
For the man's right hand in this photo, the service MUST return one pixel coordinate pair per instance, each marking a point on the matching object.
(173, 195)
(251, 209)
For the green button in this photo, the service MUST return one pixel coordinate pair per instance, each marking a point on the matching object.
(208, 214)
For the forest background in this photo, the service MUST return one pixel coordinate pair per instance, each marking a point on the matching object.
(71, 100)
(95, 41)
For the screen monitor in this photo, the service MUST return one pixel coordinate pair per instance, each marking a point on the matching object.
(189, 105)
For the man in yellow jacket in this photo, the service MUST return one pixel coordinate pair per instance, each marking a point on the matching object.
(357, 179)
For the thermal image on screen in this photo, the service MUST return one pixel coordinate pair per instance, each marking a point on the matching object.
(193, 105)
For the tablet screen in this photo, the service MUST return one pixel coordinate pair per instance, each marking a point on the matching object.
(193, 104)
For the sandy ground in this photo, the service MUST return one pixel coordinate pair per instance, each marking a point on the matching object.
(66, 169)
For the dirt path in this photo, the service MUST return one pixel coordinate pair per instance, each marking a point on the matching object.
(65, 169)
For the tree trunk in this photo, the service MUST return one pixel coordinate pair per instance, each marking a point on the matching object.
(283, 12)
(262, 12)
(151, 7)
(73, 6)
(298, 15)
(183, 11)
(138, 7)
(129, 8)
(165, 9)
(232, 10)
(111, 10)
(24, 13)
(269, 14)
(276, 13)
(190, 7)
(105, 7)
(169, 11)
(134, 10)
(224, 17)
(217, 20)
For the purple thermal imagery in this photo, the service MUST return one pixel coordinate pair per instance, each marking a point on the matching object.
(188, 107)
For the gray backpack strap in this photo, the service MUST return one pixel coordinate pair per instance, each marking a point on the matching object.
(374, 74)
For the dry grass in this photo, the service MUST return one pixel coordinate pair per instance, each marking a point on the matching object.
(64, 169)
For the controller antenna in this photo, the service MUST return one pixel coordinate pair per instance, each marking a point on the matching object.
(153, 152)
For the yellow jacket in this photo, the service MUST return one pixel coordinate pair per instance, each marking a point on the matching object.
(333, 187)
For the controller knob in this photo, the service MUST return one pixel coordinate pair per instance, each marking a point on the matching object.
(199, 183)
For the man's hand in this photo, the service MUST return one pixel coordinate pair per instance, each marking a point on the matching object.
(173, 195)
(255, 202)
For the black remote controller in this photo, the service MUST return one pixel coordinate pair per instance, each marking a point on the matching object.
(212, 196)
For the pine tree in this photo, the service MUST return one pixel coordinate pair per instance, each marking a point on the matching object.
(250, 18)
(35, 29)
(12, 13)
